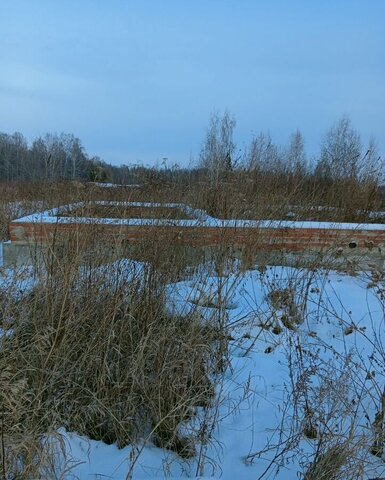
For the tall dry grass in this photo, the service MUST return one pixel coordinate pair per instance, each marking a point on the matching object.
(91, 347)
(240, 194)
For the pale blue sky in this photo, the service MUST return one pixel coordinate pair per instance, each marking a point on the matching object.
(136, 80)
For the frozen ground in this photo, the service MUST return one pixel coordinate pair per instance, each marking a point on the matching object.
(300, 342)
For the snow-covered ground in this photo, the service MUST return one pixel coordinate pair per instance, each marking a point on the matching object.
(306, 355)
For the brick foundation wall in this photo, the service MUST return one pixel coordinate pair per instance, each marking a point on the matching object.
(264, 239)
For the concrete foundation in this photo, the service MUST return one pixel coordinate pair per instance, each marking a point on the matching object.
(40, 255)
(17, 255)
(50, 236)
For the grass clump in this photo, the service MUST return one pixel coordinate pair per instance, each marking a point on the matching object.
(94, 350)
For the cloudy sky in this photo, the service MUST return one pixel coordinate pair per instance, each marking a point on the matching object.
(136, 81)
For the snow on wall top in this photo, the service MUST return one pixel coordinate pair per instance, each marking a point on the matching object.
(200, 218)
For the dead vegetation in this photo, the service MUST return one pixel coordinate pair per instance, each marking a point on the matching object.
(93, 348)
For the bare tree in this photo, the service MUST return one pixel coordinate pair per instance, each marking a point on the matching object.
(373, 168)
(341, 156)
(264, 155)
(217, 154)
(296, 156)
(13, 156)
(257, 152)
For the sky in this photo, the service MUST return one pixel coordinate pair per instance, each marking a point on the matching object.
(137, 81)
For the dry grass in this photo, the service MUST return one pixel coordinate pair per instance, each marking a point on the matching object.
(116, 211)
(94, 348)
(95, 351)
(328, 465)
(242, 194)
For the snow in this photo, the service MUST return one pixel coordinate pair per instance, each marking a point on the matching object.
(16, 282)
(302, 225)
(200, 219)
(254, 395)
(116, 185)
(253, 391)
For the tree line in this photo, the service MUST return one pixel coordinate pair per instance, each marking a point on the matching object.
(62, 157)
(342, 153)
(347, 173)
(52, 157)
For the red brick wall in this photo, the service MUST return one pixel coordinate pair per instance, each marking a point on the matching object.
(269, 239)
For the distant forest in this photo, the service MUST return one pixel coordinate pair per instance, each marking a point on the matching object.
(62, 157)
(53, 157)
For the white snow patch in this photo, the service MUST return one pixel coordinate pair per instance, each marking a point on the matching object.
(255, 387)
